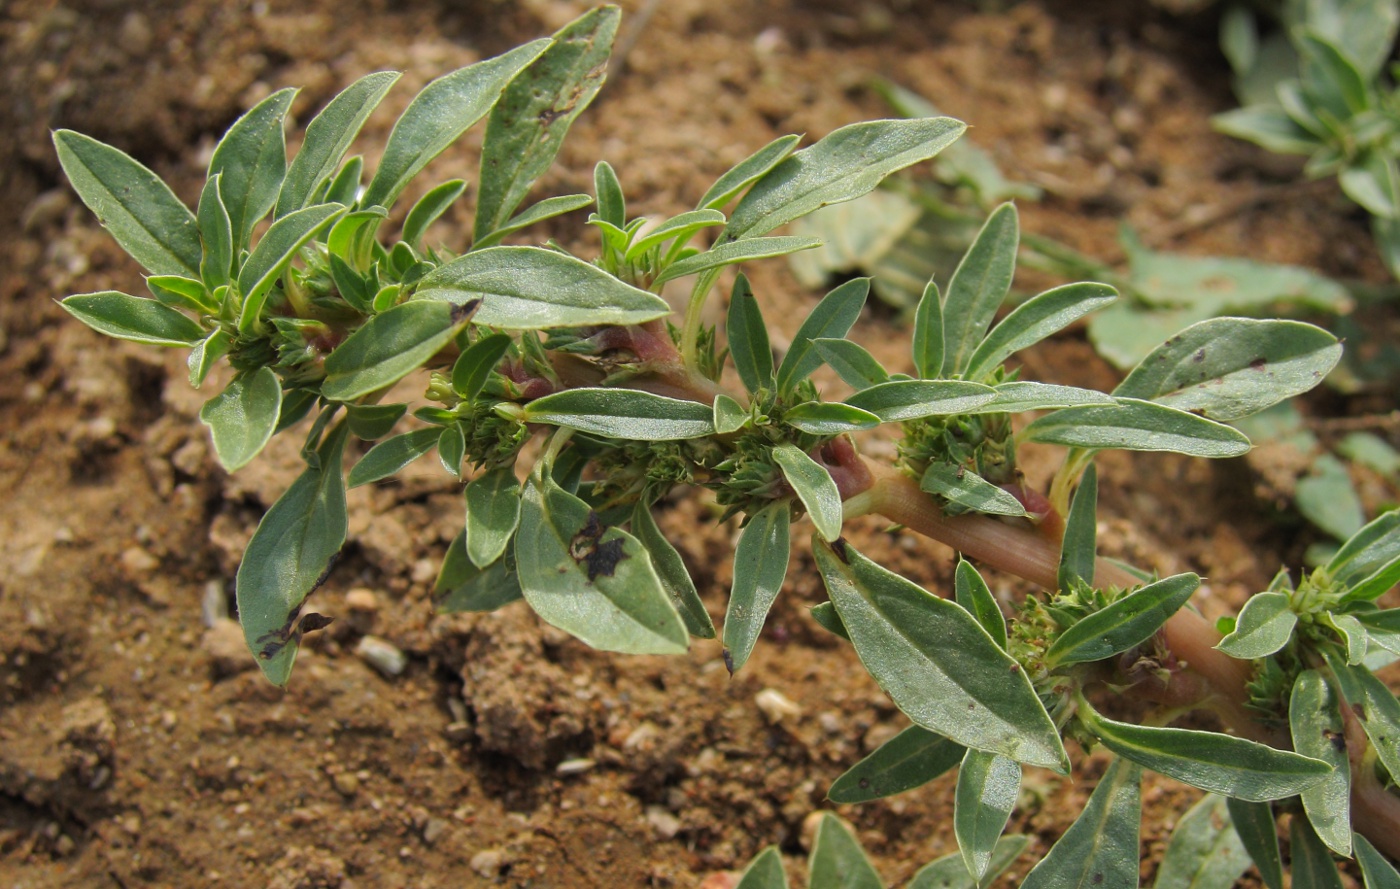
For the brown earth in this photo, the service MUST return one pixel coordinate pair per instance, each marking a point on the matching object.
(137, 746)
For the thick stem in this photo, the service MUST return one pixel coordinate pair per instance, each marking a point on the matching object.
(1027, 553)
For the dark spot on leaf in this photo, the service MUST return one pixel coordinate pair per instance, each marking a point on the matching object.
(325, 575)
(597, 558)
(271, 643)
(1097, 878)
(1338, 740)
(728, 661)
(838, 546)
(864, 783)
(1359, 711)
(313, 622)
(464, 311)
(1258, 364)
(1199, 356)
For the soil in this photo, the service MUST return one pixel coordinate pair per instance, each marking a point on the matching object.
(138, 747)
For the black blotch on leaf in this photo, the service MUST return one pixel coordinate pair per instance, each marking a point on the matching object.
(598, 558)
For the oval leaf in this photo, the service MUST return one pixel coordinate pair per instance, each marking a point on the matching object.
(1034, 320)
(1138, 426)
(760, 564)
(1265, 624)
(978, 287)
(747, 171)
(473, 367)
(132, 203)
(444, 110)
(1212, 761)
(493, 512)
(527, 288)
(960, 485)
(243, 416)
(832, 318)
(988, 785)
(278, 247)
(910, 759)
(1228, 368)
(1369, 562)
(670, 568)
(1204, 852)
(856, 367)
(288, 557)
(388, 347)
(972, 593)
(764, 872)
(1100, 849)
(393, 454)
(914, 399)
(462, 586)
(844, 165)
(132, 318)
(813, 486)
(623, 413)
(1127, 622)
(733, 253)
(748, 338)
(937, 663)
(837, 860)
(596, 583)
(251, 162)
(1315, 723)
(829, 418)
(328, 136)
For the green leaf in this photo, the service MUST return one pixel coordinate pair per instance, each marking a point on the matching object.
(1034, 320)
(243, 416)
(352, 238)
(979, 287)
(747, 171)
(132, 203)
(612, 205)
(760, 564)
(345, 187)
(1079, 551)
(971, 592)
(988, 785)
(393, 454)
(1312, 863)
(732, 253)
(623, 413)
(132, 318)
(829, 418)
(949, 872)
(439, 114)
(855, 366)
(1265, 624)
(370, 422)
(529, 288)
(1212, 761)
(1137, 426)
(678, 228)
(1204, 852)
(493, 513)
(963, 486)
(1382, 627)
(1374, 705)
(251, 163)
(730, 416)
(1228, 368)
(215, 234)
(846, 164)
(910, 759)
(837, 860)
(206, 354)
(462, 586)
(1315, 723)
(452, 448)
(428, 208)
(179, 292)
(288, 557)
(1369, 562)
(388, 347)
(1100, 849)
(1329, 77)
(1020, 396)
(832, 318)
(534, 113)
(278, 247)
(670, 568)
(937, 663)
(1353, 635)
(1254, 822)
(1379, 873)
(928, 334)
(748, 338)
(328, 136)
(764, 872)
(913, 399)
(1327, 498)
(594, 582)
(536, 212)
(1268, 126)
(296, 404)
(1130, 621)
(825, 614)
(813, 486)
(1373, 182)
(473, 367)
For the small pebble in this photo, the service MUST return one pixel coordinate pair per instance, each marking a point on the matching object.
(228, 653)
(434, 829)
(574, 766)
(488, 862)
(663, 822)
(382, 655)
(138, 562)
(345, 783)
(810, 825)
(362, 599)
(776, 706)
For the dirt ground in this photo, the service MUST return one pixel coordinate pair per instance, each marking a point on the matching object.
(138, 747)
